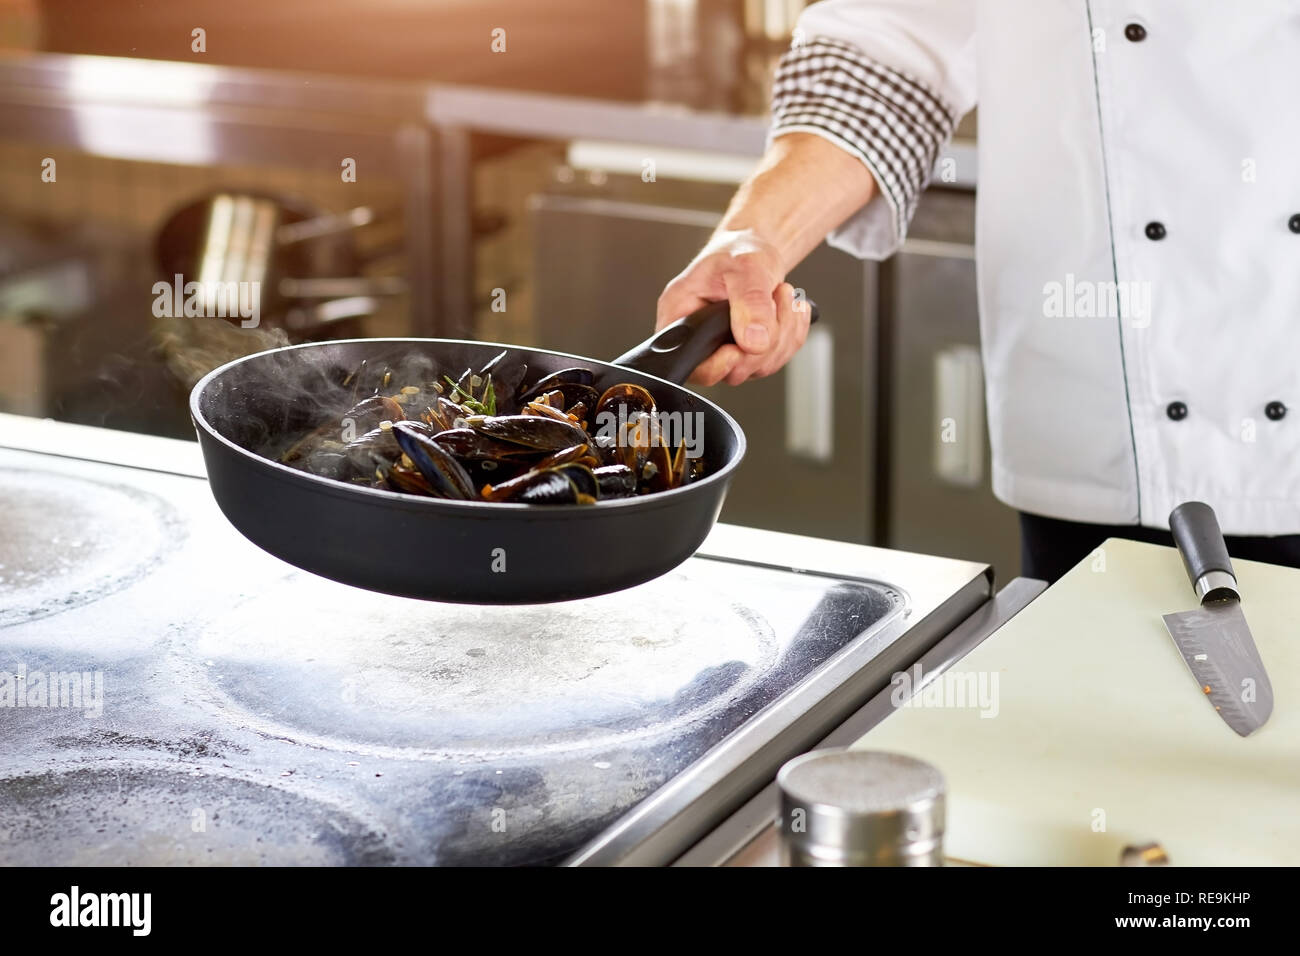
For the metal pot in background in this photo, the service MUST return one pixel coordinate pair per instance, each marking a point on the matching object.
(845, 807)
(304, 264)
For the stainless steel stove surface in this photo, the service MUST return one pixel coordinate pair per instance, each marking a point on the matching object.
(171, 694)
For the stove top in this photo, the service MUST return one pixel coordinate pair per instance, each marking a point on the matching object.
(171, 694)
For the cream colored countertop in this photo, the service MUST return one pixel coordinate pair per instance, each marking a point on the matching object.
(1101, 738)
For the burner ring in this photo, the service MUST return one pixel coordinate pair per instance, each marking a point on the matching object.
(144, 815)
(69, 541)
(324, 665)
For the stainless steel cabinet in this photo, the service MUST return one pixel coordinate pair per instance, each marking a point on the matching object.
(938, 498)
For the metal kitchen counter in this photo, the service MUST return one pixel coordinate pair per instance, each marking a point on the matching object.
(312, 722)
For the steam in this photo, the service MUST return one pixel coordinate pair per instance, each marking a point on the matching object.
(193, 347)
(266, 405)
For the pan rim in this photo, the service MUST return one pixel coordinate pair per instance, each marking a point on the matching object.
(345, 490)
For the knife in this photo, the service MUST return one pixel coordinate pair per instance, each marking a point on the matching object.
(1214, 639)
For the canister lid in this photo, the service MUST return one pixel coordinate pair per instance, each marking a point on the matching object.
(868, 807)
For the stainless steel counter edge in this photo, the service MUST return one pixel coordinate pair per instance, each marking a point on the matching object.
(110, 446)
(750, 830)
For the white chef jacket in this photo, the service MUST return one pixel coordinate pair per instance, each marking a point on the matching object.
(1138, 230)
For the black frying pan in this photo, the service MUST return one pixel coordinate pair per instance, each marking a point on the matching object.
(453, 550)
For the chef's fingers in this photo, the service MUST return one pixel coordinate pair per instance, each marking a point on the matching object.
(742, 269)
(683, 296)
(793, 317)
(717, 366)
(753, 311)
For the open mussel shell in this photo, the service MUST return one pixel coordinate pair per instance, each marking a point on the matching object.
(401, 477)
(565, 395)
(532, 431)
(633, 398)
(445, 474)
(657, 471)
(467, 443)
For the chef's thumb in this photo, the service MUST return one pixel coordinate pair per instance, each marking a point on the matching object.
(753, 311)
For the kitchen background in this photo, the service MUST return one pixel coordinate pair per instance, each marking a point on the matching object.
(499, 194)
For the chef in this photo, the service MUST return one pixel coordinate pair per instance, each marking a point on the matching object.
(1138, 242)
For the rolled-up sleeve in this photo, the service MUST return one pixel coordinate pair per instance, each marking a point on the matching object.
(887, 81)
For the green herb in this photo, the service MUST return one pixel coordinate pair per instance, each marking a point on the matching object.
(469, 396)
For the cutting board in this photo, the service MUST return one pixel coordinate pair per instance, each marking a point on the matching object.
(1101, 738)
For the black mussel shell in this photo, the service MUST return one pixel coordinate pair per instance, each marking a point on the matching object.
(615, 481)
(532, 431)
(369, 412)
(565, 376)
(466, 443)
(444, 473)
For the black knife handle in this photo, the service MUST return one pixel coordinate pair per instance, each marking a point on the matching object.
(1200, 542)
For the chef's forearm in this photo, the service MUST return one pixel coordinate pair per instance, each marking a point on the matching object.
(803, 188)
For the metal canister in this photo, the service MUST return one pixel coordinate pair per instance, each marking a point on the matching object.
(846, 807)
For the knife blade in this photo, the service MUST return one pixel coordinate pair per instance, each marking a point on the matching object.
(1214, 639)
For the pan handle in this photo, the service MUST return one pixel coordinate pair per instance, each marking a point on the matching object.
(675, 350)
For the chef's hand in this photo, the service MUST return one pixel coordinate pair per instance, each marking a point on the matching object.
(768, 322)
(803, 187)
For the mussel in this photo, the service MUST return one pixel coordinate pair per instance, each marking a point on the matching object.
(634, 399)
(562, 485)
(474, 445)
(368, 413)
(377, 448)
(580, 454)
(558, 380)
(615, 481)
(446, 476)
(531, 431)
